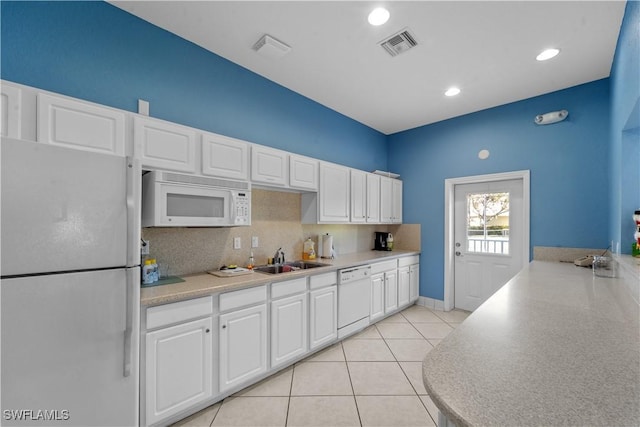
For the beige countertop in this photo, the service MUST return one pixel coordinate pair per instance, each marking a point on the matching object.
(197, 285)
(554, 346)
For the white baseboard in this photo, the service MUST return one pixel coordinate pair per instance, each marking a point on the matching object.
(434, 304)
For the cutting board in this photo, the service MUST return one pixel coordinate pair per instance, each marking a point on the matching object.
(239, 271)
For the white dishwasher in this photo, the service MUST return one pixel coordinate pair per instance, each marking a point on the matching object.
(354, 295)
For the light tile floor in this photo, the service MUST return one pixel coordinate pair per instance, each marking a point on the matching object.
(373, 378)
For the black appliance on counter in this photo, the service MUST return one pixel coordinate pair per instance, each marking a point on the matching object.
(383, 242)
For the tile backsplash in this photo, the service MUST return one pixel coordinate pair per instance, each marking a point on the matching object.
(275, 220)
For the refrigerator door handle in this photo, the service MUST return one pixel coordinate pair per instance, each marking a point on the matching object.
(128, 331)
(134, 184)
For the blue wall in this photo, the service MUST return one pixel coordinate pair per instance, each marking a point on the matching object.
(625, 129)
(568, 163)
(97, 52)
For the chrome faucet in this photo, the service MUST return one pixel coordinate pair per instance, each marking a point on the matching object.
(278, 258)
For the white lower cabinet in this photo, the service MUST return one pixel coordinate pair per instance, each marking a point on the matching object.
(390, 291)
(178, 368)
(377, 297)
(323, 316)
(404, 286)
(414, 282)
(289, 336)
(243, 345)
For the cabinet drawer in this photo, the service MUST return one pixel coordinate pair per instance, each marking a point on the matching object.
(168, 314)
(242, 298)
(289, 287)
(322, 280)
(409, 260)
(384, 266)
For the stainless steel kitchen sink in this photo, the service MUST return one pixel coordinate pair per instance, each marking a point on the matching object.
(288, 267)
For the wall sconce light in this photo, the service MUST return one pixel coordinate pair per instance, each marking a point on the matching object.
(552, 117)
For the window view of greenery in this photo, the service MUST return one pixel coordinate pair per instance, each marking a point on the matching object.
(488, 223)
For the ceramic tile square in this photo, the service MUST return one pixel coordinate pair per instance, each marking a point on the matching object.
(392, 411)
(398, 330)
(409, 350)
(276, 385)
(321, 379)
(418, 313)
(431, 407)
(252, 411)
(379, 379)
(367, 350)
(369, 333)
(456, 316)
(394, 318)
(200, 419)
(330, 354)
(413, 371)
(433, 330)
(323, 411)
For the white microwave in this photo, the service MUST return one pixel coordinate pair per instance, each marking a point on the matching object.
(176, 200)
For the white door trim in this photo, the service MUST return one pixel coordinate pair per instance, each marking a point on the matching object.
(449, 221)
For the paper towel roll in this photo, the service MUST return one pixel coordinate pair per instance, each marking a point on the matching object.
(327, 245)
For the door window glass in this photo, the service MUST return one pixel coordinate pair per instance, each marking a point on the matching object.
(488, 223)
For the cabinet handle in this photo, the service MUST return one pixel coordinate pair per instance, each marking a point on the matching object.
(207, 330)
(224, 326)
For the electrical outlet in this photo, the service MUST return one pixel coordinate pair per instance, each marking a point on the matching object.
(144, 247)
(254, 241)
(237, 243)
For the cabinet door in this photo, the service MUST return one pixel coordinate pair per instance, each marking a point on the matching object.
(396, 216)
(289, 337)
(404, 286)
(373, 198)
(243, 345)
(10, 111)
(414, 279)
(323, 315)
(303, 173)
(178, 368)
(164, 145)
(225, 157)
(80, 125)
(386, 200)
(377, 296)
(390, 291)
(268, 165)
(358, 196)
(334, 193)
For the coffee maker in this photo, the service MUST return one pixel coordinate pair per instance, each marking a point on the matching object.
(383, 242)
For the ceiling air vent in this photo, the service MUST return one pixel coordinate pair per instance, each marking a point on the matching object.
(399, 42)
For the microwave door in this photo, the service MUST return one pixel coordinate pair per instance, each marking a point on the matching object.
(191, 206)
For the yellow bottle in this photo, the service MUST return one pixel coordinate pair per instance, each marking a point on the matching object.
(309, 251)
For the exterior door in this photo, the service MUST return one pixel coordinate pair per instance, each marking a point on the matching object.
(488, 239)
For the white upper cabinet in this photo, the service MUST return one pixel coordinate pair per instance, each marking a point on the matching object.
(390, 200)
(164, 145)
(373, 198)
(358, 196)
(10, 111)
(334, 193)
(80, 124)
(225, 157)
(303, 173)
(269, 166)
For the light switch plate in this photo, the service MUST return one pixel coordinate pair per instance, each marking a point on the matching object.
(144, 247)
(254, 241)
(237, 243)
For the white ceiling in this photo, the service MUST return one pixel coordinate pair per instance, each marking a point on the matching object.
(487, 48)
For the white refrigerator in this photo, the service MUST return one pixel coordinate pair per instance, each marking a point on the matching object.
(70, 286)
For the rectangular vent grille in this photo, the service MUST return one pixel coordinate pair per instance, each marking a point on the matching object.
(399, 43)
(201, 180)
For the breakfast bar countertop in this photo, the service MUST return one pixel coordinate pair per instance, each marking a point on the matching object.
(202, 284)
(554, 346)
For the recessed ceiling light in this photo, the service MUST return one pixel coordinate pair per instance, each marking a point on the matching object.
(547, 54)
(378, 16)
(452, 91)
